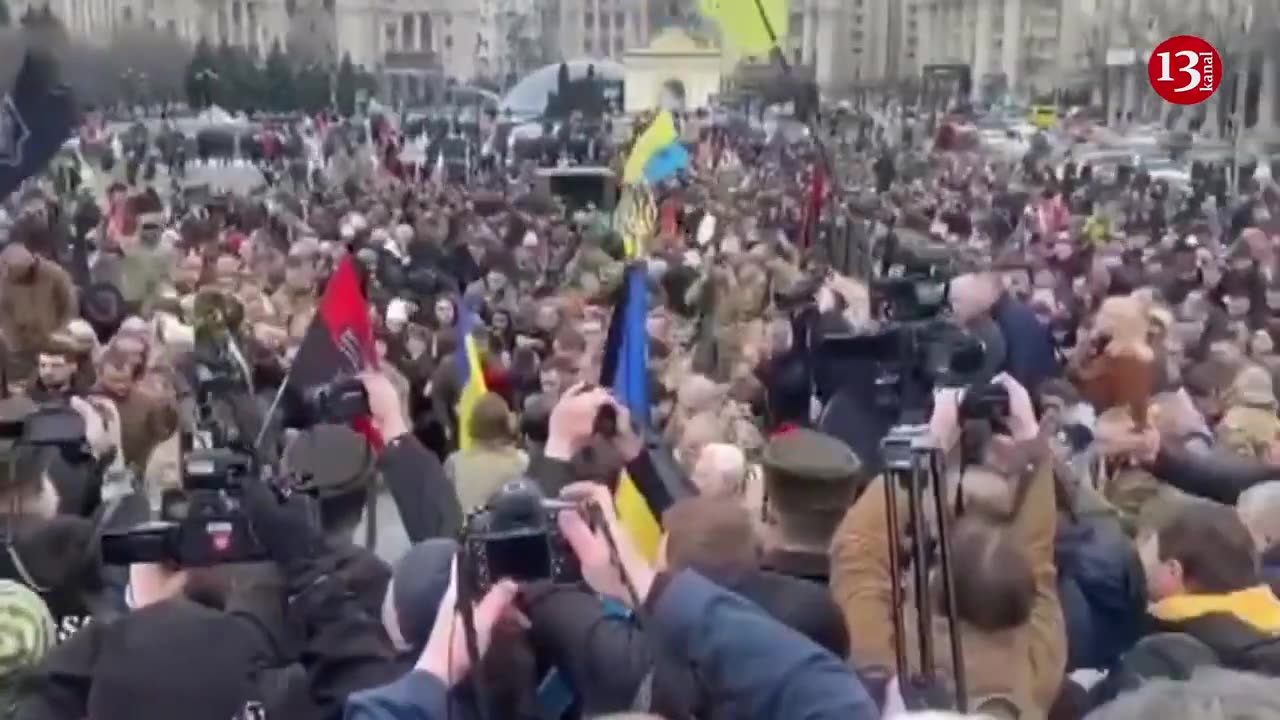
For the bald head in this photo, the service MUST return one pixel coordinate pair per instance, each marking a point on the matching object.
(720, 471)
(973, 294)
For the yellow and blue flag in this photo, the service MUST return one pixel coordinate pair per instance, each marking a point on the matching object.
(754, 27)
(473, 385)
(657, 153)
(640, 501)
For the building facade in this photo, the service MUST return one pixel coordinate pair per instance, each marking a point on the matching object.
(851, 43)
(603, 28)
(251, 24)
(1023, 47)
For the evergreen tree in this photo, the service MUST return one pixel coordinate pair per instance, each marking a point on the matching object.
(312, 88)
(346, 86)
(200, 79)
(279, 80)
(6, 17)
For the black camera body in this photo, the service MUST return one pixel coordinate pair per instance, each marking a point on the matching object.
(988, 402)
(202, 524)
(516, 537)
(337, 402)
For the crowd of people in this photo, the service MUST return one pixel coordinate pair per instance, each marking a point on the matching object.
(1111, 521)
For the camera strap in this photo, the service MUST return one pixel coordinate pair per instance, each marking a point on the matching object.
(21, 569)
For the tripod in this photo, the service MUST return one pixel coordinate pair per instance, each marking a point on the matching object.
(913, 463)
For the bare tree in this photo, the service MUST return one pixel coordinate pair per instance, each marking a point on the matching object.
(1226, 25)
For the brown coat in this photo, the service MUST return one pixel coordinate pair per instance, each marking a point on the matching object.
(1024, 665)
(31, 311)
(145, 422)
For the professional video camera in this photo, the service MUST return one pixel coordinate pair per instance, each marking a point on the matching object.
(51, 426)
(516, 536)
(202, 524)
(918, 350)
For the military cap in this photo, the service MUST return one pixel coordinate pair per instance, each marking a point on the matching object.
(807, 469)
(330, 460)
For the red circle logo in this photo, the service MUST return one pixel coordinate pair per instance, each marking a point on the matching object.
(1185, 70)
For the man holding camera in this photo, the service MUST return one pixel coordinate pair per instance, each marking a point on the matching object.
(1001, 542)
(1016, 341)
(252, 646)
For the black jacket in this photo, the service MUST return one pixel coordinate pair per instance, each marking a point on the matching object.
(1220, 477)
(345, 650)
(424, 496)
(615, 666)
(606, 657)
(57, 558)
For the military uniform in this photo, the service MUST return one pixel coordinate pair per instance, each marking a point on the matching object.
(811, 478)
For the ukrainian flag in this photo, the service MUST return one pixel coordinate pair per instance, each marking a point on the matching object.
(754, 27)
(657, 154)
(638, 511)
(473, 385)
(639, 501)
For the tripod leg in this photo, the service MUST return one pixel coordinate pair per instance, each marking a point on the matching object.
(891, 479)
(920, 563)
(948, 586)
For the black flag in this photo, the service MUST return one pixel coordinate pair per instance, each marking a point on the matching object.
(36, 117)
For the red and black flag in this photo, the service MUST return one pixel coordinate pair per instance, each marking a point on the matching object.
(36, 118)
(813, 204)
(339, 342)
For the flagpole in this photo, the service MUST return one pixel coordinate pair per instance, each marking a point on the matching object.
(788, 72)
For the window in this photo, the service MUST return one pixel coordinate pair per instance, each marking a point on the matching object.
(797, 56)
(448, 42)
(620, 19)
(604, 20)
(588, 47)
(391, 36)
(172, 26)
(619, 43)
(588, 20)
(856, 36)
(797, 20)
